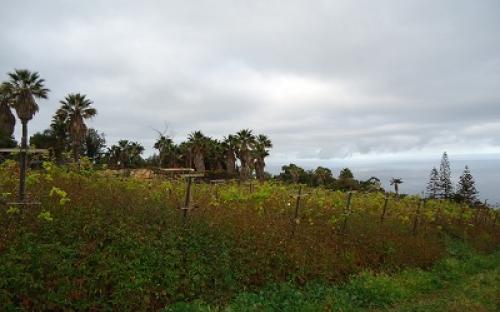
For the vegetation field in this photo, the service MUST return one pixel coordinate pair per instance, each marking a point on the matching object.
(99, 242)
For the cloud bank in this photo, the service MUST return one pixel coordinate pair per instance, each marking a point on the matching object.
(324, 79)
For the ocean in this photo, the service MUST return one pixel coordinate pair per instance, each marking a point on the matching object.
(414, 172)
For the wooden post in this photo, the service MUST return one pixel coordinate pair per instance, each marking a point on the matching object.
(215, 188)
(297, 203)
(295, 220)
(23, 160)
(382, 217)
(417, 213)
(296, 213)
(347, 210)
(187, 200)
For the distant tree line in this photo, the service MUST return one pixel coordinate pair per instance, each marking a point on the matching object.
(68, 139)
(238, 155)
(440, 185)
(322, 176)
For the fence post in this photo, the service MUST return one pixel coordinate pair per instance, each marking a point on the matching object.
(296, 213)
(187, 200)
(417, 213)
(347, 210)
(297, 203)
(382, 217)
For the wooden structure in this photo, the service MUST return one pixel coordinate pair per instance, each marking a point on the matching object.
(172, 172)
(22, 171)
(187, 199)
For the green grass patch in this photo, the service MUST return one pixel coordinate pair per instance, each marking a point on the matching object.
(466, 282)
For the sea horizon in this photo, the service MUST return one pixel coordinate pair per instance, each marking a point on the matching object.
(414, 172)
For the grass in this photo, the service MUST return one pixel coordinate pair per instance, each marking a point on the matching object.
(466, 282)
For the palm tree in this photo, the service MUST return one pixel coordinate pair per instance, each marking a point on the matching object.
(24, 86)
(183, 154)
(245, 143)
(94, 144)
(7, 118)
(60, 132)
(74, 110)
(165, 146)
(261, 151)
(323, 175)
(229, 145)
(215, 155)
(114, 153)
(135, 150)
(126, 154)
(198, 145)
(123, 150)
(396, 182)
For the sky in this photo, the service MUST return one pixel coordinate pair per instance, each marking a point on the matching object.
(325, 80)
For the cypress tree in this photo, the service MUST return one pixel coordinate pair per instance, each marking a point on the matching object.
(445, 185)
(433, 187)
(467, 187)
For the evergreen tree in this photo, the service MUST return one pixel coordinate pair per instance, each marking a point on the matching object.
(467, 187)
(445, 185)
(433, 187)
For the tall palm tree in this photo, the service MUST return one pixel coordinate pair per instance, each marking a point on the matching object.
(24, 86)
(260, 152)
(7, 118)
(246, 141)
(75, 108)
(198, 144)
(396, 182)
(230, 145)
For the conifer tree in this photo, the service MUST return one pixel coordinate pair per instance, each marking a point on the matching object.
(467, 187)
(445, 185)
(433, 187)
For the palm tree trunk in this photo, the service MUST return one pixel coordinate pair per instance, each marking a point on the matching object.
(230, 162)
(76, 152)
(259, 169)
(245, 165)
(22, 164)
(161, 156)
(243, 170)
(199, 163)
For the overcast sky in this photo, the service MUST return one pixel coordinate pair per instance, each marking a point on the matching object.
(324, 79)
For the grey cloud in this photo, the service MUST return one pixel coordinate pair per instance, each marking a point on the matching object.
(323, 78)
